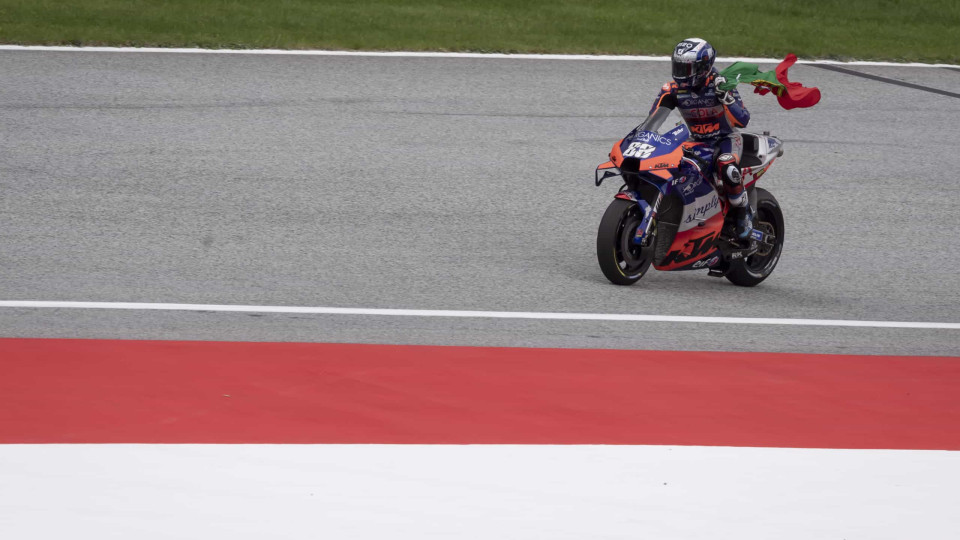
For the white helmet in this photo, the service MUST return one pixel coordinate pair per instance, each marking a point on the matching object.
(692, 61)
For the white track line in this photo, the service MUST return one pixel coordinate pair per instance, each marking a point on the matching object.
(420, 54)
(39, 304)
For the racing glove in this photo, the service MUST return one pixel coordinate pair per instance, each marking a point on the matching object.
(725, 97)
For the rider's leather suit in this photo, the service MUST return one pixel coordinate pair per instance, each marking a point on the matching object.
(715, 123)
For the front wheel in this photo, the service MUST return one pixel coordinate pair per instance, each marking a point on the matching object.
(622, 261)
(755, 268)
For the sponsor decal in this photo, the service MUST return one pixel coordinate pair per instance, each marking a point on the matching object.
(662, 164)
(684, 46)
(649, 136)
(698, 247)
(701, 211)
(757, 235)
(705, 111)
(677, 132)
(691, 187)
(704, 129)
(700, 104)
(736, 255)
(706, 263)
(758, 174)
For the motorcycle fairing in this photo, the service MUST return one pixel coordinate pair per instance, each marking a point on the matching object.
(643, 151)
(678, 166)
(759, 152)
(694, 245)
(752, 174)
(663, 156)
(694, 249)
(604, 171)
(691, 248)
(660, 161)
(701, 220)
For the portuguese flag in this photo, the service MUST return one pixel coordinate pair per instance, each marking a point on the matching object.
(791, 95)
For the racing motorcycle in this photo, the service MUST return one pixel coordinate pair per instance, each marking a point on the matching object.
(671, 211)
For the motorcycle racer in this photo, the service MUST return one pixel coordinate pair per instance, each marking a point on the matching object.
(713, 117)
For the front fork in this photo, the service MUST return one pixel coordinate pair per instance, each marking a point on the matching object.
(642, 236)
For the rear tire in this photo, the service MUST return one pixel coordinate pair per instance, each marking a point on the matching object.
(757, 267)
(622, 261)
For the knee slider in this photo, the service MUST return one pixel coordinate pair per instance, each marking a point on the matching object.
(731, 173)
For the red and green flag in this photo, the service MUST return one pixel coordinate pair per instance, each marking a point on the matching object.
(791, 95)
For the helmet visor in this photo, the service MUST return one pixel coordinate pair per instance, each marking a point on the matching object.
(683, 70)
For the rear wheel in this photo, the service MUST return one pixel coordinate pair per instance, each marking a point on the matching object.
(755, 268)
(622, 261)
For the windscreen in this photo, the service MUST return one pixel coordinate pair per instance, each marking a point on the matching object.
(655, 120)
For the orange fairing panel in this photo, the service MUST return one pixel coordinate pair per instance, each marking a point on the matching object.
(693, 245)
(604, 171)
(616, 156)
(666, 161)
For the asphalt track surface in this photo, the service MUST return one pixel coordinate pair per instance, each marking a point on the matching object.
(460, 184)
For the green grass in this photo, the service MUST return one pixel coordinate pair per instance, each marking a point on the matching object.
(899, 30)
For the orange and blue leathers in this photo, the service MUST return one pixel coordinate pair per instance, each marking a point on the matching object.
(715, 123)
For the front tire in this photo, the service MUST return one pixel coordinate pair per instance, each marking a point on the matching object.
(757, 267)
(622, 261)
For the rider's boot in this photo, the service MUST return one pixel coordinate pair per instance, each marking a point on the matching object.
(739, 200)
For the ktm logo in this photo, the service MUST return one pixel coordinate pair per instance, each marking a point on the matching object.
(698, 247)
(703, 129)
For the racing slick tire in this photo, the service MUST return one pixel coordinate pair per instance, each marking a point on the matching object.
(752, 270)
(622, 261)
